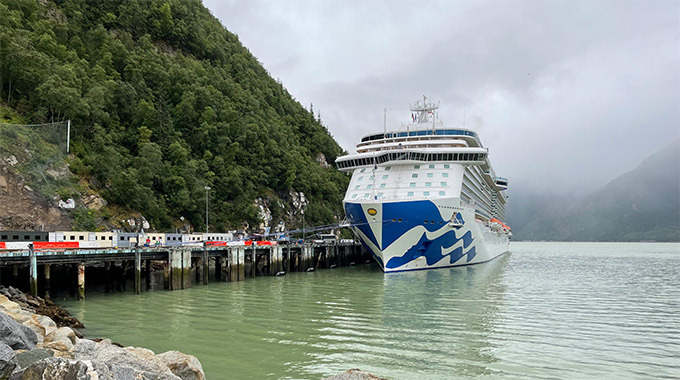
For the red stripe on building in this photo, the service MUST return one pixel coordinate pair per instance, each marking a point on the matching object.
(52, 245)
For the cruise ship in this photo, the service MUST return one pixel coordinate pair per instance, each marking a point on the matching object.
(425, 196)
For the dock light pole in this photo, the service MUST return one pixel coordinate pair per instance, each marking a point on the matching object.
(207, 190)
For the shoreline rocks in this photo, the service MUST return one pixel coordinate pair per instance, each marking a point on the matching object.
(41, 306)
(36, 347)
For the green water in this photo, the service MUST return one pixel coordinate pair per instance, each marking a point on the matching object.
(547, 310)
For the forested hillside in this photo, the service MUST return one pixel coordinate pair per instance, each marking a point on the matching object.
(165, 101)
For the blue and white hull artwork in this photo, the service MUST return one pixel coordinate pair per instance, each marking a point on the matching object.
(425, 200)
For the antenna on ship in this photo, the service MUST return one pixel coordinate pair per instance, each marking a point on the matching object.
(422, 111)
(385, 121)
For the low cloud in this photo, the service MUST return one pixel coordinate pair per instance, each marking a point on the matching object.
(564, 94)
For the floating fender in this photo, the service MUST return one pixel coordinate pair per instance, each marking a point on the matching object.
(333, 266)
(352, 264)
(280, 274)
(310, 269)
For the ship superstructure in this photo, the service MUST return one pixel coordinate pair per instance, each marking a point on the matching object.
(425, 195)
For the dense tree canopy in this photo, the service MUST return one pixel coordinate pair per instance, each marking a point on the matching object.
(164, 101)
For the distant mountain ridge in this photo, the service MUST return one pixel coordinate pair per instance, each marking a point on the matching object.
(640, 205)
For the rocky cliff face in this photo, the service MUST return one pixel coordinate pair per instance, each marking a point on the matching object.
(22, 207)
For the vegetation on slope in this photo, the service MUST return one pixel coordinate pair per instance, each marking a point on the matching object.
(165, 101)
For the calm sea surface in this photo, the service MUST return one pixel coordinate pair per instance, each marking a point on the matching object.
(544, 311)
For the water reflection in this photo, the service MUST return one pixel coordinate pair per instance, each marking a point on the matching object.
(427, 324)
(445, 317)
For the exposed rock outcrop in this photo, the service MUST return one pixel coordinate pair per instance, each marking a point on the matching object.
(21, 208)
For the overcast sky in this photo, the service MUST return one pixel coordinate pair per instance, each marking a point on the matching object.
(565, 94)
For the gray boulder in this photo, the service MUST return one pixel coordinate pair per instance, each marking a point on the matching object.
(7, 360)
(26, 358)
(123, 363)
(61, 341)
(15, 335)
(187, 367)
(61, 369)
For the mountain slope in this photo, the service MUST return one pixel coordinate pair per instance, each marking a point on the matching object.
(640, 205)
(165, 101)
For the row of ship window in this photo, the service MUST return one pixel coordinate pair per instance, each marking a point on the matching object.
(430, 166)
(409, 194)
(411, 156)
(414, 175)
(429, 132)
(412, 184)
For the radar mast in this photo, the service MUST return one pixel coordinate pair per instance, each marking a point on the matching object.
(422, 111)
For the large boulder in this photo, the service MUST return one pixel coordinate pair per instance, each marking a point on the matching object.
(61, 341)
(7, 361)
(46, 323)
(26, 358)
(20, 316)
(40, 324)
(187, 367)
(65, 334)
(60, 369)
(7, 305)
(123, 363)
(15, 335)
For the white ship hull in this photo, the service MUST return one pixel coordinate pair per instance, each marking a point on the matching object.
(425, 195)
(405, 235)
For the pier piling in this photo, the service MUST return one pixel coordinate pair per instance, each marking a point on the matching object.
(206, 266)
(46, 271)
(33, 270)
(224, 268)
(278, 260)
(253, 262)
(166, 273)
(81, 281)
(107, 276)
(240, 263)
(180, 268)
(15, 274)
(218, 268)
(148, 274)
(138, 271)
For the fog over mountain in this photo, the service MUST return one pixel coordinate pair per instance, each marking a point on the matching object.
(560, 91)
(640, 205)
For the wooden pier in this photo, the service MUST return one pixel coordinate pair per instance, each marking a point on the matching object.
(181, 263)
